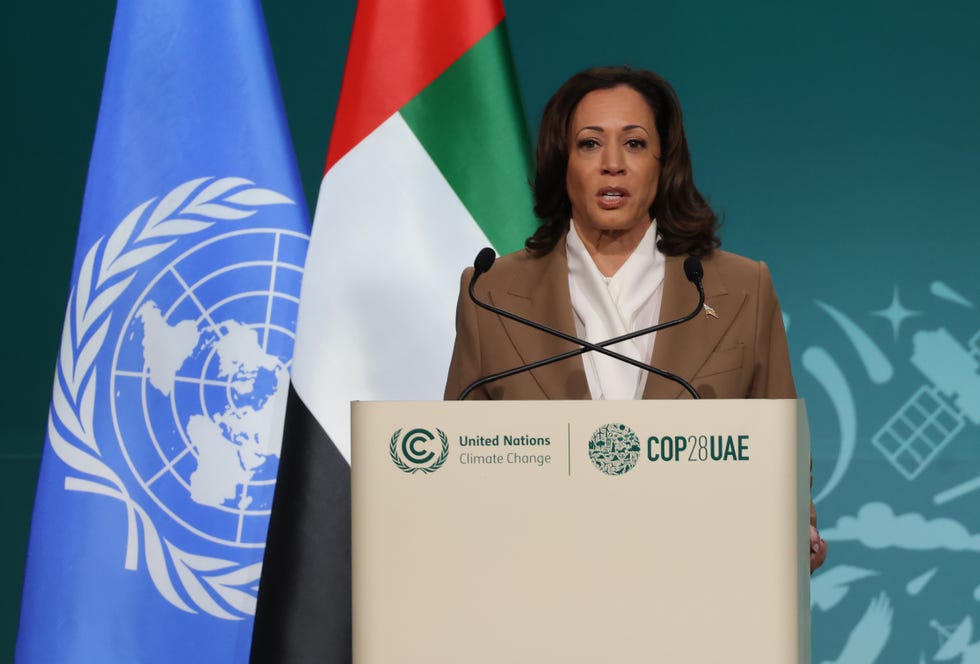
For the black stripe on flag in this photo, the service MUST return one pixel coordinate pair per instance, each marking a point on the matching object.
(304, 599)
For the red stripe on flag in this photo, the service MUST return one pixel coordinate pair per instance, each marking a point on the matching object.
(397, 48)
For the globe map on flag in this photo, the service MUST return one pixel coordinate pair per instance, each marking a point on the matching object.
(199, 386)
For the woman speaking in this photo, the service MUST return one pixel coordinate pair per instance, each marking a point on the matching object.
(619, 212)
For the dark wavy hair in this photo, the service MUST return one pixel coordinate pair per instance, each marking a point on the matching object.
(685, 222)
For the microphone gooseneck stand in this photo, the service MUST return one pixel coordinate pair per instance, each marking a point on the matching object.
(484, 261)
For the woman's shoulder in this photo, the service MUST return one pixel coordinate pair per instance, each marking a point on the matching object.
(518, 267)
(729, 260)
(516, 261)
(731, 269)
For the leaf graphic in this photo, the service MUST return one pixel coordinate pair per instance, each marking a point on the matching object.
(239, 577)
(79, 484)
(177, 227)
(204, 563)
(118, 240)
(228, 586)
(84, 286)
(218, 211)
(87, 410)
(156, 563)
(67, 355)
(240, 600)
(139, 256)
(259, 196)
(217, 189)
(78, 459)
(88, 354)
(104, 300)
(171, 202)
(194, 587)
(65, 415)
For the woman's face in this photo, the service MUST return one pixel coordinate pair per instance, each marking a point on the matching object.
(613, 160)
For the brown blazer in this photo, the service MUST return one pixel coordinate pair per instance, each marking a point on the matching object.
(740, 354)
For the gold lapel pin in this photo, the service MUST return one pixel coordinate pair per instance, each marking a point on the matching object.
(709, 311)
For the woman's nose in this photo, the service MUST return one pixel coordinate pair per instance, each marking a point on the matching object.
(612, 161)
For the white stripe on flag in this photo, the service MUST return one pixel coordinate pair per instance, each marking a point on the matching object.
(376, 320)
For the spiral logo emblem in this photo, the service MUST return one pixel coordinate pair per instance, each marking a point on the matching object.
(614, 449)
(415, 451)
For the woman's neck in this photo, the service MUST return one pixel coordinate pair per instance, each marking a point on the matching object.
(610, 249)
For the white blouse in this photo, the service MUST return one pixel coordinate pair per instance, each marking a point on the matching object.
(607, 307)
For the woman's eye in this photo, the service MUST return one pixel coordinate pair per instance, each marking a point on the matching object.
(636, 144)
(588, 144)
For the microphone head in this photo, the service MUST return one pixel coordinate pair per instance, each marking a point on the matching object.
(693, 270)
(484, 260)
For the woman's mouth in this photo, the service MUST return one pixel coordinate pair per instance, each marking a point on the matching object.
(611, 198)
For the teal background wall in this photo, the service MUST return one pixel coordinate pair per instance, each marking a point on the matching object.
(842, 145)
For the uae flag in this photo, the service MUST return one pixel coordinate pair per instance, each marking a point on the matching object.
(428, 163)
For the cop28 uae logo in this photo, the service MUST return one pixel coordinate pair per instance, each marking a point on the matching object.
(614, 449)
(413, 451)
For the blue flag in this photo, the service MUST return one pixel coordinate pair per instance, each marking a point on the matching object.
(164, 432)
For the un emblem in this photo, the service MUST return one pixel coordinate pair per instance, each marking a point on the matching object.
(413, 451)
(171, 384)
(614, 449)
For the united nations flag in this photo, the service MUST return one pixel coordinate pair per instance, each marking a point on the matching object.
(164, 432)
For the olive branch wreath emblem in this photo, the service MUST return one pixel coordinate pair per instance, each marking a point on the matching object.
(107, 270)
(436, 465)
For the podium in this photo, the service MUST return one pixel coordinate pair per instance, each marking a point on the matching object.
(580, 532)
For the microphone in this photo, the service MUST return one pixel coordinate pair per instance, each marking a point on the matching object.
(692, 270)
(484, 261)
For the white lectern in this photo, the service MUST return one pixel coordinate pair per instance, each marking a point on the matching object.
(565, 532)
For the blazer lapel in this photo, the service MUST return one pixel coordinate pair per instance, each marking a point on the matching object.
(541, 294)
(683, 349)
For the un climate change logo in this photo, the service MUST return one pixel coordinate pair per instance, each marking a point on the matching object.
(614, 449)
(415, 447)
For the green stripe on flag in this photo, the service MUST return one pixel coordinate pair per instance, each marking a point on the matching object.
(471, 122)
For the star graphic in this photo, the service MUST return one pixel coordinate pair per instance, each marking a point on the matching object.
(896, 313)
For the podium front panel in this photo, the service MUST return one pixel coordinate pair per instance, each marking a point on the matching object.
(549, 531)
